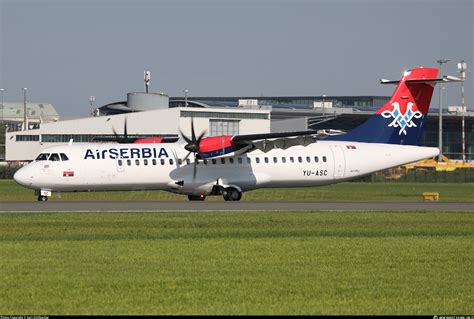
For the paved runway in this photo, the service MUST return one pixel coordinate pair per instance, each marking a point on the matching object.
(186, 206)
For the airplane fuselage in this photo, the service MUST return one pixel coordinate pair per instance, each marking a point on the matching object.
(109, 167)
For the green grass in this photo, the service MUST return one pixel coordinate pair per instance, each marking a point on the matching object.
(236, 263)
(10, 191)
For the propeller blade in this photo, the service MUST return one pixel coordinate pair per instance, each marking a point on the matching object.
(125, 137)
(186, 157)
(192, 146)
(115, 133)
(195, 167)
(185, 137)
(200, 137)
(193, 134)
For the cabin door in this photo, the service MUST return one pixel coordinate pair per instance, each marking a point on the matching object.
(339, 161)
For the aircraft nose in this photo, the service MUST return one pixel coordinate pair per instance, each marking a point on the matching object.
(23, 176)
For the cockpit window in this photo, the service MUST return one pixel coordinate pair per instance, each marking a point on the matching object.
(54, 157)
(64, 157)
(42, 157)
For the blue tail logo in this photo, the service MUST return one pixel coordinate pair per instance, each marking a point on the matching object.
(402, 120)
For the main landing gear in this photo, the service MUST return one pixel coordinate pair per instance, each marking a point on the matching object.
(231, 194)
(197, 197)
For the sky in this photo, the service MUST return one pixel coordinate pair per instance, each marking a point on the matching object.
(64, 51)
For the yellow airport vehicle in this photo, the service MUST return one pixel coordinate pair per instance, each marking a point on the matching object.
(445, 165)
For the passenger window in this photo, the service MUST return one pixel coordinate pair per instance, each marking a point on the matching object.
(64, 157)
(324, 158)
(188, 161)
(316, 159)
(275, 160)
(129, 162)
(214, 161)
(54, 157)
(180, 161)
(257, 159)
(137, 162)
(308, 159)
(171, 161)
(42, 157)
(300, 159)
(153, 161)
(283, 159)
(145, 161)
(162, 161)
(266, 159)
(292, 160)
(205, 162)
(240, 160)
(223, 160)
(231, 160)
(248, 160)
(119, 162)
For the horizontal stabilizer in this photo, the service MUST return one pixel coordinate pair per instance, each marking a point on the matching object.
(444, 79)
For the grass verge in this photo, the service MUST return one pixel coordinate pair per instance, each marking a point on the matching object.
(353, 191)
(236, 263)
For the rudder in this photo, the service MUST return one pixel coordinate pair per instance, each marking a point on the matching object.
(401, 120)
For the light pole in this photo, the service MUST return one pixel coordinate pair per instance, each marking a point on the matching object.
(324, 100)
(147, 79)
(462, 67)
(440, 130)
(186, 97)
(91, 101)
(25, 126)
(3, 92)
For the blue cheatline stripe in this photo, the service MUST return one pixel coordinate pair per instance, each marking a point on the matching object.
(218, 152)
(376, 130)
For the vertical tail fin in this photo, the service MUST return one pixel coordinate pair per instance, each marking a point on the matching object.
(401, 120)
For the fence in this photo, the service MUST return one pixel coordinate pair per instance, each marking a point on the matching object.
(460, 175)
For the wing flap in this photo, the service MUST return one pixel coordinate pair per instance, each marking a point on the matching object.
(284, 140)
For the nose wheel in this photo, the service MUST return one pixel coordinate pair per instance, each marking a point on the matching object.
(42, 198)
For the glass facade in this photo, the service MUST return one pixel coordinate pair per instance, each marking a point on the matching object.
(362, 102)
(27, 138)
(224, 127)
(225, 115)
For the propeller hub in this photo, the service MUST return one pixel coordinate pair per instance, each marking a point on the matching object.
(192, 147)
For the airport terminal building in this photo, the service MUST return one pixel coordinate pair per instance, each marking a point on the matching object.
(156, 114)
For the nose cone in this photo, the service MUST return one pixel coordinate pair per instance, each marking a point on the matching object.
(23, 176)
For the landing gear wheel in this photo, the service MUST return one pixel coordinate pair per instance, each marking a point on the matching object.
(42, 198)
(197, 197)
(232, 194)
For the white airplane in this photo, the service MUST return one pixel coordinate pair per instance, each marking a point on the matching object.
(230, 165)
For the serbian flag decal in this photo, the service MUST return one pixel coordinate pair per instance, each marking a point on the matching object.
(351, 147)
(68, 173)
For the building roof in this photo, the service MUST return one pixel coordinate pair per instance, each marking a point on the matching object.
(40, 111)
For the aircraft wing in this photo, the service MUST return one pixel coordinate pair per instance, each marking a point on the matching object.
(283, 140)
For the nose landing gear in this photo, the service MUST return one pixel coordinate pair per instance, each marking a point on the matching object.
(43, 195)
